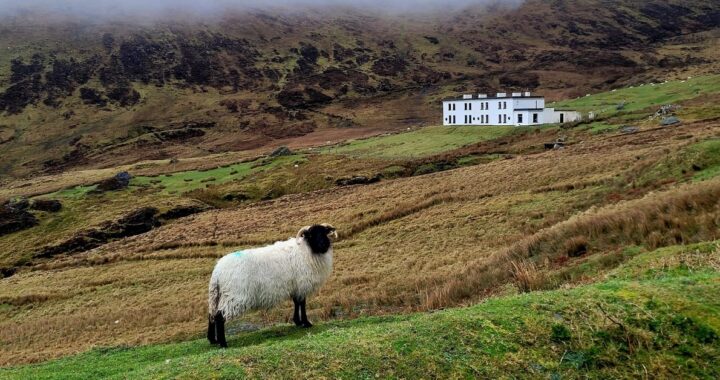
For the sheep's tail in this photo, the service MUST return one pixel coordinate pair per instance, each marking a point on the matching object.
(213, 298)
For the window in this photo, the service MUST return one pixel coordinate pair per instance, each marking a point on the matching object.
(449, 107)
(535, 118)
(499, 119)
(520, 118)
(499, 105)
(470, 106)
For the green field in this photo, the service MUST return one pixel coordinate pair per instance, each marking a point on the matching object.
(655, 315)
(182, 182)
(421, 142)
(641, 97)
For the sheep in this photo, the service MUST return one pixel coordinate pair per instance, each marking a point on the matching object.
(263, 277)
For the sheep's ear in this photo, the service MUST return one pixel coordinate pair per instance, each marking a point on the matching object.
(332, 231)
(302, 232)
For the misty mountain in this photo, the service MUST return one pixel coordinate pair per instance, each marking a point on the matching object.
(81, 91)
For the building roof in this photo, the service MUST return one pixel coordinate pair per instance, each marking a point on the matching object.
(529, 109)
(475, 97)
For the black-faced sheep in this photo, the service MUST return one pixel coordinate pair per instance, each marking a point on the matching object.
(264, 277)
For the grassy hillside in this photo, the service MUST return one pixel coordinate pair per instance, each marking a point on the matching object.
(444, 217)
(85, 95)
(656, 315)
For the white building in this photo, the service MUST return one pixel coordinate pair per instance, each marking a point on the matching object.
(501, 109)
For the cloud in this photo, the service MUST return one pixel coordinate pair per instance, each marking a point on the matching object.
(120, 9)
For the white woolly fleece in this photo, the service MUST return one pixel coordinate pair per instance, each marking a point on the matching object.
(263, 277)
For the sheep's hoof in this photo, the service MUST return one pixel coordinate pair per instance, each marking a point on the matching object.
(298, 323)
(307, 325)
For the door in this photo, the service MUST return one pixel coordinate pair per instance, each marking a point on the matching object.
(562, 118)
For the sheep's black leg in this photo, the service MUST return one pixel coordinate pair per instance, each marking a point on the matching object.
(296, 312)
(303, 316)
(220, 329)
(211, 330)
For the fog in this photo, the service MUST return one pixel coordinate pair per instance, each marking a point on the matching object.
(129, 9)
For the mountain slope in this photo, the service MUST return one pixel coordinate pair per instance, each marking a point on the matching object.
(89, 94)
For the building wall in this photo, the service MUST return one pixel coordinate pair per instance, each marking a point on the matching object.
(502, 111)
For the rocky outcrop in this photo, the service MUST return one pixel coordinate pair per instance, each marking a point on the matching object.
(137, 222)
(13, 219)
(118, 182)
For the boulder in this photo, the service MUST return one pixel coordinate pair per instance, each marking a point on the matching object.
(628, 129)
(281, 151)
(358, 180)
(20, 203)
(670, 120)
(15, 219)
(118, 182)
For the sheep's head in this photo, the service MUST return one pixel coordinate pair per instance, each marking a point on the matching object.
(318, 237)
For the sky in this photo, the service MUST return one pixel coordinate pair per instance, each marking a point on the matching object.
(152, 8)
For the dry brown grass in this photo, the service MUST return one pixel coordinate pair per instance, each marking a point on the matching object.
(527, 277)
(410, 244)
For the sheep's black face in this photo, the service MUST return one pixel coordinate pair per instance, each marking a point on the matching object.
(318, 238)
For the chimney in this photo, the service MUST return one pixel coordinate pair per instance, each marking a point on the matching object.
(527, 93)
(482, 96)
(467, 96)
(516, 94)
(501, 94)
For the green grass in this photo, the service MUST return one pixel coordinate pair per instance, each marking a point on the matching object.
(657, 314)
(599, 127)
(642, 97)
(699, 161)
(182, 182)
(423, 142)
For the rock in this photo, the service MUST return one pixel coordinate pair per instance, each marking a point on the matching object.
(19, 203)
(174, 161)
(358, 180)
(118, 182)
(670, 120)
(49, 205)
(281, 151)
(628, 129)
(15, 219)
(432, 40)
(6, 272)
(668, 109)
(620, 106)
(137, 222)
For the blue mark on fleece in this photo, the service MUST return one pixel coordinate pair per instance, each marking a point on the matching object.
(238, 253)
